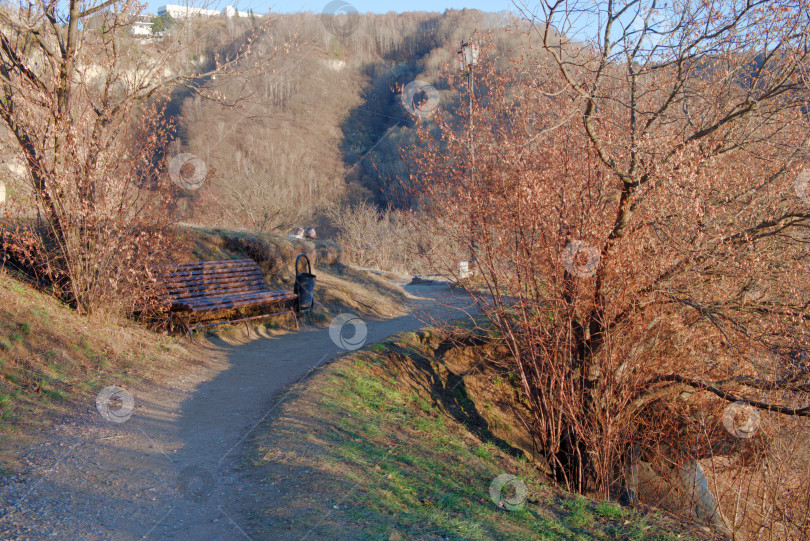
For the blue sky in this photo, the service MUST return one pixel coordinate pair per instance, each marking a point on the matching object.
(363, 6)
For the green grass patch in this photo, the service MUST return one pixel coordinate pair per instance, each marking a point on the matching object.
(16, 287)
(609, 510)
(485, 451)
(391, 465)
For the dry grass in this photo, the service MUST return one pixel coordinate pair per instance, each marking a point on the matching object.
(51, 359)
(275, 254)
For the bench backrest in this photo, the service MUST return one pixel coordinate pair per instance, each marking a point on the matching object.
(210, 278)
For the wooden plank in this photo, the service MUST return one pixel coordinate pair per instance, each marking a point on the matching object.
(199, 284)
(220, 278)
(234, 304)
(191, 271)
(203, 265)
(231, 306)
(212, 277)
(212, 289)
(224, 280)
(255, 282)
(214, 292)
(190, 274)
(219, 299)
(224, 299)
(197, 271)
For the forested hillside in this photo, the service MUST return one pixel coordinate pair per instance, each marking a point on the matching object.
(324, 123)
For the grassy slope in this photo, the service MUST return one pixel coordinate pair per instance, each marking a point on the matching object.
(52, 359)
(365, 451)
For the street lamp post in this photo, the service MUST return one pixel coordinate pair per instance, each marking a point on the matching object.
(468, 58)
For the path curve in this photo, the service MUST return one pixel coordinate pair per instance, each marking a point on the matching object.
(172, 470)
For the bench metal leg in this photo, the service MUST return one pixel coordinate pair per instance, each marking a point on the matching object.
(243, 320)
(292, 309)
(184, 324)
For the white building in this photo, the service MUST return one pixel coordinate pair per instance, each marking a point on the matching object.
(231, 11)
(183, 12)
(142, 26)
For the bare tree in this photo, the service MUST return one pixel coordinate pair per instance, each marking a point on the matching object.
(640, 240)
(84, 105)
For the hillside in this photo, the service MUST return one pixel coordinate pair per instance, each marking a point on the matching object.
(591, 224)
(325, 122)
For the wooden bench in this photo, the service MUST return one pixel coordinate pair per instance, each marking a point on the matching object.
(195, 289)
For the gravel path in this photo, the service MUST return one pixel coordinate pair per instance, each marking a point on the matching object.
(171, 470)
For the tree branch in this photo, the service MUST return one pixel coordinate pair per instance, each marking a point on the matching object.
(725, 395)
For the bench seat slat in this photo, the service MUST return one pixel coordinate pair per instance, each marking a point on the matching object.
(209, 275)
(212, 294)
(254, 283)
(221, 292)
(212, 289)
(213, 279)
(205, 265)
(232, 301)
(232, 305)
(191, 273)
(203, 270)
(214, 299)
(191, 297)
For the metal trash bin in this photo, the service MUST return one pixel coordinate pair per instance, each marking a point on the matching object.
(304, 286)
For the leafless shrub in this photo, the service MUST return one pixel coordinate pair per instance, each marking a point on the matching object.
(370, 237)
(640, 242)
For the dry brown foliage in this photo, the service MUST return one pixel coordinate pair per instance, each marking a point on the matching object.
(639, 237)
(83, 105)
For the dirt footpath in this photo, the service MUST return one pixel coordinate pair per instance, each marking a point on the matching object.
(170, 469)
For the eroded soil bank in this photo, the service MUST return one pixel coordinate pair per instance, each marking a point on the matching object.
(405, 440)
